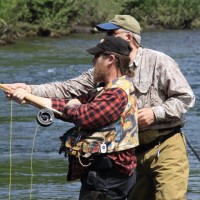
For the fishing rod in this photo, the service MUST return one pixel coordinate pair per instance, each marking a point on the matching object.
(46, 114)
(193, 150)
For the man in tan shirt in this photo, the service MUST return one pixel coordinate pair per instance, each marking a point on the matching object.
(164, 96)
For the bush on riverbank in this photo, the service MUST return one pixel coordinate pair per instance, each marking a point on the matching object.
(170, 14)
(61, 17)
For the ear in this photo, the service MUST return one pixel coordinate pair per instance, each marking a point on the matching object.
(111, 60)
(129, 37)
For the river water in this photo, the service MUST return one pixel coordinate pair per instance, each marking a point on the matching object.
(41, 60)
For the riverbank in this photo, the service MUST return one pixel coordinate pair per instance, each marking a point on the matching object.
(50, 18)
(12, 34)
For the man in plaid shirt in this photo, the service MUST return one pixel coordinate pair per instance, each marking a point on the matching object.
(110, 172)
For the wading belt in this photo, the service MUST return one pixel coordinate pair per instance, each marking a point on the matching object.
(160, 139)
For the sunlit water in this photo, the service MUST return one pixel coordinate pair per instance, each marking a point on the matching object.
(41, 60)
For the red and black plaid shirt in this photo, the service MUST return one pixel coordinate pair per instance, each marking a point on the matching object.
(98, 112)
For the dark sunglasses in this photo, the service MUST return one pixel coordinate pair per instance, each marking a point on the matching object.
(110, 33)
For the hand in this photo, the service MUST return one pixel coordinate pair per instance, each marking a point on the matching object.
(73, 102)
(146, 117)
(19, 95)
(15, 86)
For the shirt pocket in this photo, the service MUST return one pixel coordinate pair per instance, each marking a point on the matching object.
(147, 96)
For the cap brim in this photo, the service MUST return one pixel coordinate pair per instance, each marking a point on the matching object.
(107, 27)
(95, 50)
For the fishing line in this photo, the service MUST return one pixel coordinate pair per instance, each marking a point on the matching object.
(193, 150)
(10, 177)
(44, 118)
(11, 163)
(32, 151)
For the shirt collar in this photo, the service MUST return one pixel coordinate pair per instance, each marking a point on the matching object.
(137, 58)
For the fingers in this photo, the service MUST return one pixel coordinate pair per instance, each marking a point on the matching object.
(19, 96)
(15, 86)
(146, 117)
(8, 93)
(12, 91)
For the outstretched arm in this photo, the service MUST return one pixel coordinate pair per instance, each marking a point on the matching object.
(113, 101)
(22, 96)
(71, 88)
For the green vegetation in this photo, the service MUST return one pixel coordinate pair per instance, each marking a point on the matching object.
(172, 14)
(61, 17)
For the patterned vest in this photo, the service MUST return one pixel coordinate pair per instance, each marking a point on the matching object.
(121, 135)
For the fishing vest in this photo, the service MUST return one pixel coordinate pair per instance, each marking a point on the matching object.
(121, 135)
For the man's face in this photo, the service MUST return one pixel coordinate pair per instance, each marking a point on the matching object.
(100, 68)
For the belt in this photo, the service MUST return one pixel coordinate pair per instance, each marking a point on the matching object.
(145, 147)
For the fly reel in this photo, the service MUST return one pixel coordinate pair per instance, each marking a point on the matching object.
(45, 117)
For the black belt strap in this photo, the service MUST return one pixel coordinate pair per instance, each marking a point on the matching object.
(145, 147)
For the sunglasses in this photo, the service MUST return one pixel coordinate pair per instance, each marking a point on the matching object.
(115, 33)
(110, 33)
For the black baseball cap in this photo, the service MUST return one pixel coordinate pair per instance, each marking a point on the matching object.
(111, 44)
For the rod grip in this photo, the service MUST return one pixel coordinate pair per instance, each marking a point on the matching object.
(5, 87)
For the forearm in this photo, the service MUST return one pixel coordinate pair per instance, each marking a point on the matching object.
(72, 88)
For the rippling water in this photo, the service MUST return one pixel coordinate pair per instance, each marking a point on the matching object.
(41, 60)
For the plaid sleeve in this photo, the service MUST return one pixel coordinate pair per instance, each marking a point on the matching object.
(103, 110)
(58, 104)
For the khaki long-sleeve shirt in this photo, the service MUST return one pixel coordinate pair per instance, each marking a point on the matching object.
(159, 84)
